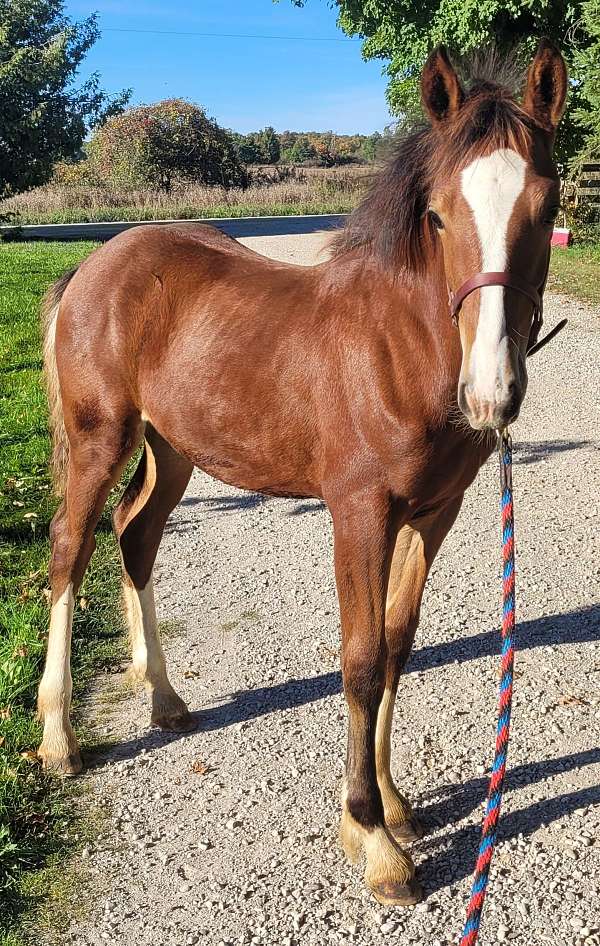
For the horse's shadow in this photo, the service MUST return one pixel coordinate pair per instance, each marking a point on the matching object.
(449, 857)
(572, 627)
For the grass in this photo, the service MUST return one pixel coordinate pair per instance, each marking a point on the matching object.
(276, 192)
(575, 270)
(38, 823)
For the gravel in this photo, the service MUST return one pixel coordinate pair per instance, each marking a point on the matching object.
(227, 835)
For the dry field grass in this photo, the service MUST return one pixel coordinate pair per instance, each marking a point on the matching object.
(272, 191)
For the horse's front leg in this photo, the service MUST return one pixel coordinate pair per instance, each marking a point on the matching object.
(364, 536)
(415, 549)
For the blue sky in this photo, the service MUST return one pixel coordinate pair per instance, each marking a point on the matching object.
(244, 83)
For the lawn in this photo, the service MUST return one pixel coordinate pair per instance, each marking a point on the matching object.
(575, 270)
(37, 821)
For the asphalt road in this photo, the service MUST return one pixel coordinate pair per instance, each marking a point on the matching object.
(233, 226)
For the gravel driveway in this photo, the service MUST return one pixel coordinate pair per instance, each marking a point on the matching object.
(228, 835)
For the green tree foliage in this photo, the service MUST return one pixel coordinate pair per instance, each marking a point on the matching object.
(44, 117)
(269, 146)
(402, 32)
(587, 63)
(302, 151)
(259, 147)
(171, 141)
(247, 148)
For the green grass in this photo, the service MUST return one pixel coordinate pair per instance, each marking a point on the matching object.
(575, 270)
(38, 826)
(339, 205)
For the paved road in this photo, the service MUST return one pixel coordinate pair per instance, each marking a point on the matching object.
(227, 836)
(234, 226)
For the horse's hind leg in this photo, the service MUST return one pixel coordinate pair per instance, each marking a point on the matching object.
(95, 463)
(415, 549)
(139, 520)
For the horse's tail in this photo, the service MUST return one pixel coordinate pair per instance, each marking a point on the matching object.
(60, 442)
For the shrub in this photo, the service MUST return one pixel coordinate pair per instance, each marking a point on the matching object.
(170, 142)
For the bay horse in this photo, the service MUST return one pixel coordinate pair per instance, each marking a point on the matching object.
(345, 381)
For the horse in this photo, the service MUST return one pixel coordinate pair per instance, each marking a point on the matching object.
(376, 381)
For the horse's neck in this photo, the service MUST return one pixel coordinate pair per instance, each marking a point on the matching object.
(437, 338)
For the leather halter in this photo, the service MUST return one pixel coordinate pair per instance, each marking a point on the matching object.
(510, 281)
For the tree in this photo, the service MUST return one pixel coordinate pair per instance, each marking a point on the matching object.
(259, 147)
(164, 143)
(247, 148)
(587, 63)
(268, 142)
(404, 31)
(371, 145)
(301, 151)
(44, 117)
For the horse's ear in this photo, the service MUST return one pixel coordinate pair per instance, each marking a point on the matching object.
(546, 88)
(441, 92)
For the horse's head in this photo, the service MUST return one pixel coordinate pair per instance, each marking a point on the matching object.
(494, 198)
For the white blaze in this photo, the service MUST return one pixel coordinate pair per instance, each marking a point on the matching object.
(491, 186)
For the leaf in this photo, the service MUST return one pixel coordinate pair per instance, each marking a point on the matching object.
(30, 756)
(569, 699)
(199, 767)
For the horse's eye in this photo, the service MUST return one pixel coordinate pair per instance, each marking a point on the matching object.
(550, 215)
(436, 220)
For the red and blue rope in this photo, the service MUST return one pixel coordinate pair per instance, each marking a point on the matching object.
(490, 822)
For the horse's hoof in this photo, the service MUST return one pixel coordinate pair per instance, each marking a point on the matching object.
(65, 767)
(401, 895)
(175, 722)
(408, 832)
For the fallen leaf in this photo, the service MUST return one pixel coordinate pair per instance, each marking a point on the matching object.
(5, 712)
(199, 767)
(30, 756)
(569, 699)
(84, 604)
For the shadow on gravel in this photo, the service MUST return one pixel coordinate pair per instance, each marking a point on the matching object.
(572, 627)
(581, 626)
(451, 858)
(526, 453)
(216, 504)
(226, 503)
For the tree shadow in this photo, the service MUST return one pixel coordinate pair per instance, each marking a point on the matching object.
(451, 858)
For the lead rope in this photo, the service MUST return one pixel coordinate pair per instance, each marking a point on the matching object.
(489, 829)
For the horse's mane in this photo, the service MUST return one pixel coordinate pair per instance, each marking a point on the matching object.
(391, 222)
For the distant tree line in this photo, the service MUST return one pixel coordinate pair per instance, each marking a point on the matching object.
(317, 148)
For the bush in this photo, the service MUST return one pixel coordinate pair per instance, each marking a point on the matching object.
(163, 144)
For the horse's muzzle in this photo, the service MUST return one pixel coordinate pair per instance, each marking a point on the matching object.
(491, 414)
